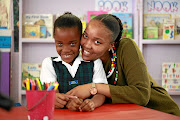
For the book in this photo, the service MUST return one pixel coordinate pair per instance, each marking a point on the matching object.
(5, 73)
(168, 29)
(31, 71)
(176, 27)
(83, 25)
(127, 21)
(171, 76)
(83, 19)
(150, 32)
(43, 20)
(32, 31)
(92, 14)
(5, 6)
(5, 40)
(155, 20)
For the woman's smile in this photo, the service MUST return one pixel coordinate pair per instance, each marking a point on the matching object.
(86, 52)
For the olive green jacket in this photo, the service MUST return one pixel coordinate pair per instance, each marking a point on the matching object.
(135, 85)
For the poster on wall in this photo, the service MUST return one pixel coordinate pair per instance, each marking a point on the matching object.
(110, 6)
(171, 76)
(161, 6)
(4, 14)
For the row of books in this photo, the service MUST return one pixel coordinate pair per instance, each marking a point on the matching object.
(161, 26)
(37, 25)
(170, 74)
(41, 25)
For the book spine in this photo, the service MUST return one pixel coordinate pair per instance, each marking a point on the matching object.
(5, 73)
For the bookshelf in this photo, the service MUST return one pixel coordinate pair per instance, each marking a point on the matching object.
(157, 51)
(35, 50)
(37, 40)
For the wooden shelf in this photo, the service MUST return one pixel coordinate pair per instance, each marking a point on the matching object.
(37, 40)
(151, 41)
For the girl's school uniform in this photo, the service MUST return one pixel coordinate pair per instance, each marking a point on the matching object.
(70, 76)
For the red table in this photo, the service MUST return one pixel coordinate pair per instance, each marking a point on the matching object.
(105, 112)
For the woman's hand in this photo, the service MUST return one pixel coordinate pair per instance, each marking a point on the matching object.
(73, 104)
(87, 106)
(81, 91)
(61, 100)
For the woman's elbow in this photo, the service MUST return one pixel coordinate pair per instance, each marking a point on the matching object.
(144, 97)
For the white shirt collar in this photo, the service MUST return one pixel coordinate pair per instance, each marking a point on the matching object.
(78, 59)
(72, 69)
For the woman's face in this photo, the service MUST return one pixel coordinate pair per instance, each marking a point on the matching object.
(96, 41)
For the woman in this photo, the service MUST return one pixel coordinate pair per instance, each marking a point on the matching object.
(128, 78)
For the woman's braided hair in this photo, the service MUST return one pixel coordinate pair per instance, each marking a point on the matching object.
(114, 24)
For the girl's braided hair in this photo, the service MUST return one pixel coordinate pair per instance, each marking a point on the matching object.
(68, 20)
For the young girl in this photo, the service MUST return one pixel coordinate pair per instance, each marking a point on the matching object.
(69, 69)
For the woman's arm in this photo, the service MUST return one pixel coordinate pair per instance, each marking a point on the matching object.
(83, 91)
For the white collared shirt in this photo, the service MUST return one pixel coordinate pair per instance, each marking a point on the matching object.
(48, 73)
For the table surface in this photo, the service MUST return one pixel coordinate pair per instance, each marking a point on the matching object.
(105, 112)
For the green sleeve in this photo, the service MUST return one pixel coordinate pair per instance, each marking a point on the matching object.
(133, 85)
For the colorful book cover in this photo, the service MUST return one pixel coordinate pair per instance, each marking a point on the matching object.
(5, 13)
(171, 76)
(176, 27)
(150, 32)
(155, 20)
(40, 19)
(5, 40)
(127, 21)
(92, 14)
(31, 71)
(83, 19)
(168, 29)
(32, 31)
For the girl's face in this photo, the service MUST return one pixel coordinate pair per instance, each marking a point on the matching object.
(96, 41)
(67, 41)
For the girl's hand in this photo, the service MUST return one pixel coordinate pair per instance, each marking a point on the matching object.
(61, 100)
(73, 104)
(81, 91)
(87, 106)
